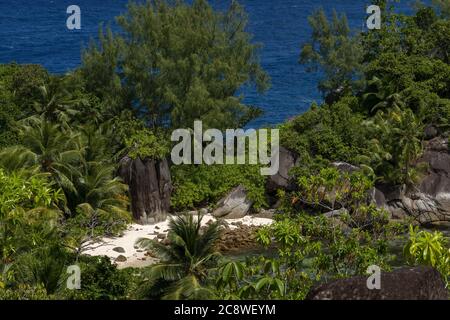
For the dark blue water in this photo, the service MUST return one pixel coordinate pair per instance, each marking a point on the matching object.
(34, 31)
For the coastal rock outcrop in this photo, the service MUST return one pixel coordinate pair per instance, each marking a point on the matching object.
(413, 283)
(241, 238)
(345, 167)
(234, 205)
(150, 188)
(281, 180)
(429, 200)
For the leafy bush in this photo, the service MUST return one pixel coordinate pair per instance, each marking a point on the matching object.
(331, 132)
(336, 251)
(28, 213)
(101, 280)
(147, 144)
(257, 278)
(396, 145)
(430, 249)
(203, 184)
(44, 266)
(25, 190)
(310, 249)
(24, 292)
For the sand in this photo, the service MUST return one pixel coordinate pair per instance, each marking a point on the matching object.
(135, 256)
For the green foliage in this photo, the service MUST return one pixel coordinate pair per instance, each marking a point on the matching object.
(177, 62)
(18, 86)
(66, 100)
(323, 248)
(407, 62)
(309, 249)
(314, 248)
(25, 190)
(336, 52)
(199, 185)
(147, 144)
(62, 171)
(398, 144)
(184, 262)
(22, 83)
(25, 199)
(384, 97)
(330, 132)
(28, 232)
(101, 280)
(76, 162)
(431, 249)
(45, 145)
(44, 266)
(255, 279)
(331, 189)
(7, 116)
(24, 292)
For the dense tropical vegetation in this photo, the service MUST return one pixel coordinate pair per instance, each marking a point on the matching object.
(62, 136)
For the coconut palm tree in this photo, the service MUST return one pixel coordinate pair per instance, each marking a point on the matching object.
(45, 266)
(384, 95)
(185, 261)
(98, 201)
(397, 145)
(97, 190)
(57, 101)
(408, 133)
(47, 146)
(100, 198)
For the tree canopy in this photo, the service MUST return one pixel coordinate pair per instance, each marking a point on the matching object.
(175, 63)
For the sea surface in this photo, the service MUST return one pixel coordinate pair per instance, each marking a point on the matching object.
(34, 31)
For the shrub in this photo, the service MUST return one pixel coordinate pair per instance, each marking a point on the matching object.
(198, 185)
(431, 249)
(101, 280)
(147, 144)
(331, 132)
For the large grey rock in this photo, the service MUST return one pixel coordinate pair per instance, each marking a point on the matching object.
(377, 197)
(335, 213)
(429, 200)
(418, 283)
(235, 205)
(430, 132)
(345, 167)
(281, 180)
(265, 213)
(150, 188)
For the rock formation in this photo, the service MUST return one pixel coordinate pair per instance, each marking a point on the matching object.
(429, 200)
(281, 180)
(235, 240)
(150, 188)
(235, 205)
(419, 283)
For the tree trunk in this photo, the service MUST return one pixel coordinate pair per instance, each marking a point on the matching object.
(150, 188)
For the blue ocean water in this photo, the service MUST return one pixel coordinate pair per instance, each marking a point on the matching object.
(35, 32)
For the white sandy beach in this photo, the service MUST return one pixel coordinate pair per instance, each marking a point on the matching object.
(136, 256)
